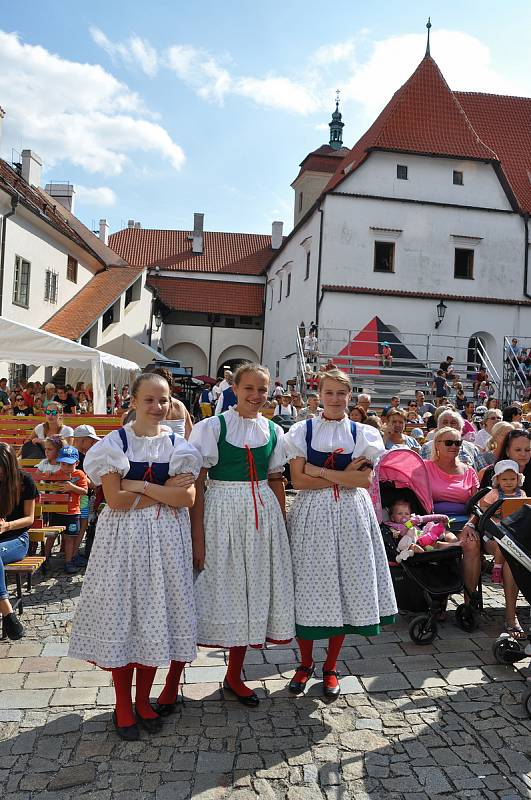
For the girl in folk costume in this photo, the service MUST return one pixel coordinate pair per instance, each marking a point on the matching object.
(244, 590)
(342, 580)
(136, 607)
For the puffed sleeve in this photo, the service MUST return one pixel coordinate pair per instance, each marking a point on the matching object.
(204, 437)
(369, 442)
(105, 457)
(278, 456)
(294, 441)
(185, 458)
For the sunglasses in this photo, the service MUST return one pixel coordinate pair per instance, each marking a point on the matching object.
(452, 442)
(19, 399)
(52, 413)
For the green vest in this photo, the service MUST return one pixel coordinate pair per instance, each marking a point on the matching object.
(233, 462)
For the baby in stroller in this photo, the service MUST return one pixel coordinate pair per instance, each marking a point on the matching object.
(417, 534)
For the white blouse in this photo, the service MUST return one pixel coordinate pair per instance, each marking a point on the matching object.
(108, 454)
(330, 435)
(240, 432)
(66, 431)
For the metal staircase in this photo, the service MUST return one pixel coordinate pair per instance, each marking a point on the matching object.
(514, 378)
(405, 375)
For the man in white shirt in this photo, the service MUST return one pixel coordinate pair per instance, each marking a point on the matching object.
(225, 382)
(311, 347)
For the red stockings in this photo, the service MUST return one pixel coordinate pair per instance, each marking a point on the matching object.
(335, 644)
(169, 694)
(123, 680)
(234, 671)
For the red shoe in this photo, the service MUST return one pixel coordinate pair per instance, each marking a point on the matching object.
(497, 574)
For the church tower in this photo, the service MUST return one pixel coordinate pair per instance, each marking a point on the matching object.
(318, 166)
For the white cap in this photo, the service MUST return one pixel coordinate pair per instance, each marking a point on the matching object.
(504, 465)
(85, 431)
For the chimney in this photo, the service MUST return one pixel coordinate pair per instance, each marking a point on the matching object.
(197, 238)
(31, 167)
(64, 193)
(138, 225)
(276, 235)
(130, 223)
(104, 231)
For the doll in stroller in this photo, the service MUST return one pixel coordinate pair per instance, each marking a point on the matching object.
(424, 581)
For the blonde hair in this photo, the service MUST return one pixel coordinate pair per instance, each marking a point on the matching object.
(59, 416)
(335, 375)
(440, 434)
(255, 368)
(394, 412)
(502, 428)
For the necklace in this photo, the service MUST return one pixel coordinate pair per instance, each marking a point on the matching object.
(332, 419)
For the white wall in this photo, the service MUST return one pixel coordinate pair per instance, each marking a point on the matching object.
(45, 249)
(192, 342)
(311, 184)
(134, 319)
(428, 179)
(282, 318)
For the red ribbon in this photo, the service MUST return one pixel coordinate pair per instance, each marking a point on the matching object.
(330, 463)
(253, 477)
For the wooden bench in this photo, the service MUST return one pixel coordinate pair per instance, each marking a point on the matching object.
(17, 430)
(26, 568)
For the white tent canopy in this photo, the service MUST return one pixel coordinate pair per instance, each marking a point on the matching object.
(127, 347)
(22, 344)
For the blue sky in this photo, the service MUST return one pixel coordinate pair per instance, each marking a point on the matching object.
(156, 110)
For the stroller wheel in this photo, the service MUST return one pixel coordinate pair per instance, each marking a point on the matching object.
(526, 700)
(422, 629)
(506, 650)
(465, 617)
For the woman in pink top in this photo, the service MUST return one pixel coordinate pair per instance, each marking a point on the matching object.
(452, 485)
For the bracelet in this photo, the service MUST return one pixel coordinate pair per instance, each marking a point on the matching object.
(470, 525)
(146, 484)
(135, 502)
(322, 472)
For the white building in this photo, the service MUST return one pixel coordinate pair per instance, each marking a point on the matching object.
(57, 274)
(209, 290)
(431, 204)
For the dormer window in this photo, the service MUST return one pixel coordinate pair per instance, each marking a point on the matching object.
(401, 172)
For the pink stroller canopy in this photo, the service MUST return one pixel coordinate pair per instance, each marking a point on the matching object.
(406, 470)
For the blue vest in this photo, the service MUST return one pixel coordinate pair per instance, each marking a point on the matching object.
(229, 399)
(139, 469)
(318, 459)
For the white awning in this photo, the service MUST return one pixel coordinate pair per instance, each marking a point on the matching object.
(22, 344)
(127, 347)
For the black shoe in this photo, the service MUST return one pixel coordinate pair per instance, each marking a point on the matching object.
(129, 733)
(251, 701)
(165, 709)
(13, 627)
(298, 687)
(329, 691)
(149, 725)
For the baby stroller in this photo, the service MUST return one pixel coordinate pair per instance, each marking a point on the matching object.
(513, 534)
(424, 582)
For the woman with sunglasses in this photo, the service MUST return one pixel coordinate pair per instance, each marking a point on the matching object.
(53, 426)
(516, 447)
(21, 408)
(452, 485)
(484, 435)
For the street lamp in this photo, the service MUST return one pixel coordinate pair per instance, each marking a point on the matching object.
(441, 311)
(157, 318)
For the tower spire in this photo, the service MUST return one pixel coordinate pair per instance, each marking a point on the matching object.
(428, 26)
(336, 126)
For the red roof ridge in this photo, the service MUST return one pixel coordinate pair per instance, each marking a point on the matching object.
(492, 94)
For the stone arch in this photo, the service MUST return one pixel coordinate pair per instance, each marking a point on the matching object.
(190, 355)
(234, 356)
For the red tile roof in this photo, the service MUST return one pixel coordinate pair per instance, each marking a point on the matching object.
(212, 297)
(36, 202)
(424, 116)
(504, 124)
(324, 159)
(236, 253)
(80, 313)
(423, 295)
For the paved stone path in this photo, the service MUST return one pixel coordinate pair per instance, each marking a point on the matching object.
(413, 722)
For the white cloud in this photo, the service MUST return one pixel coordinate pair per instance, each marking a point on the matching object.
(135, 50)
(333, 53)
(73, 112)
(281, 93)
(95, 195)
(198, 69)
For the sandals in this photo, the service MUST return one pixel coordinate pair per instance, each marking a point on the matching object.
(515, 631)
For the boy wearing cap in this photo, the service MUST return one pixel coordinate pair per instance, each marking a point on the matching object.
(76, 484)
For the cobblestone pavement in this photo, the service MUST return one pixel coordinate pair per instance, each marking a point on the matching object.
(413, 722)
